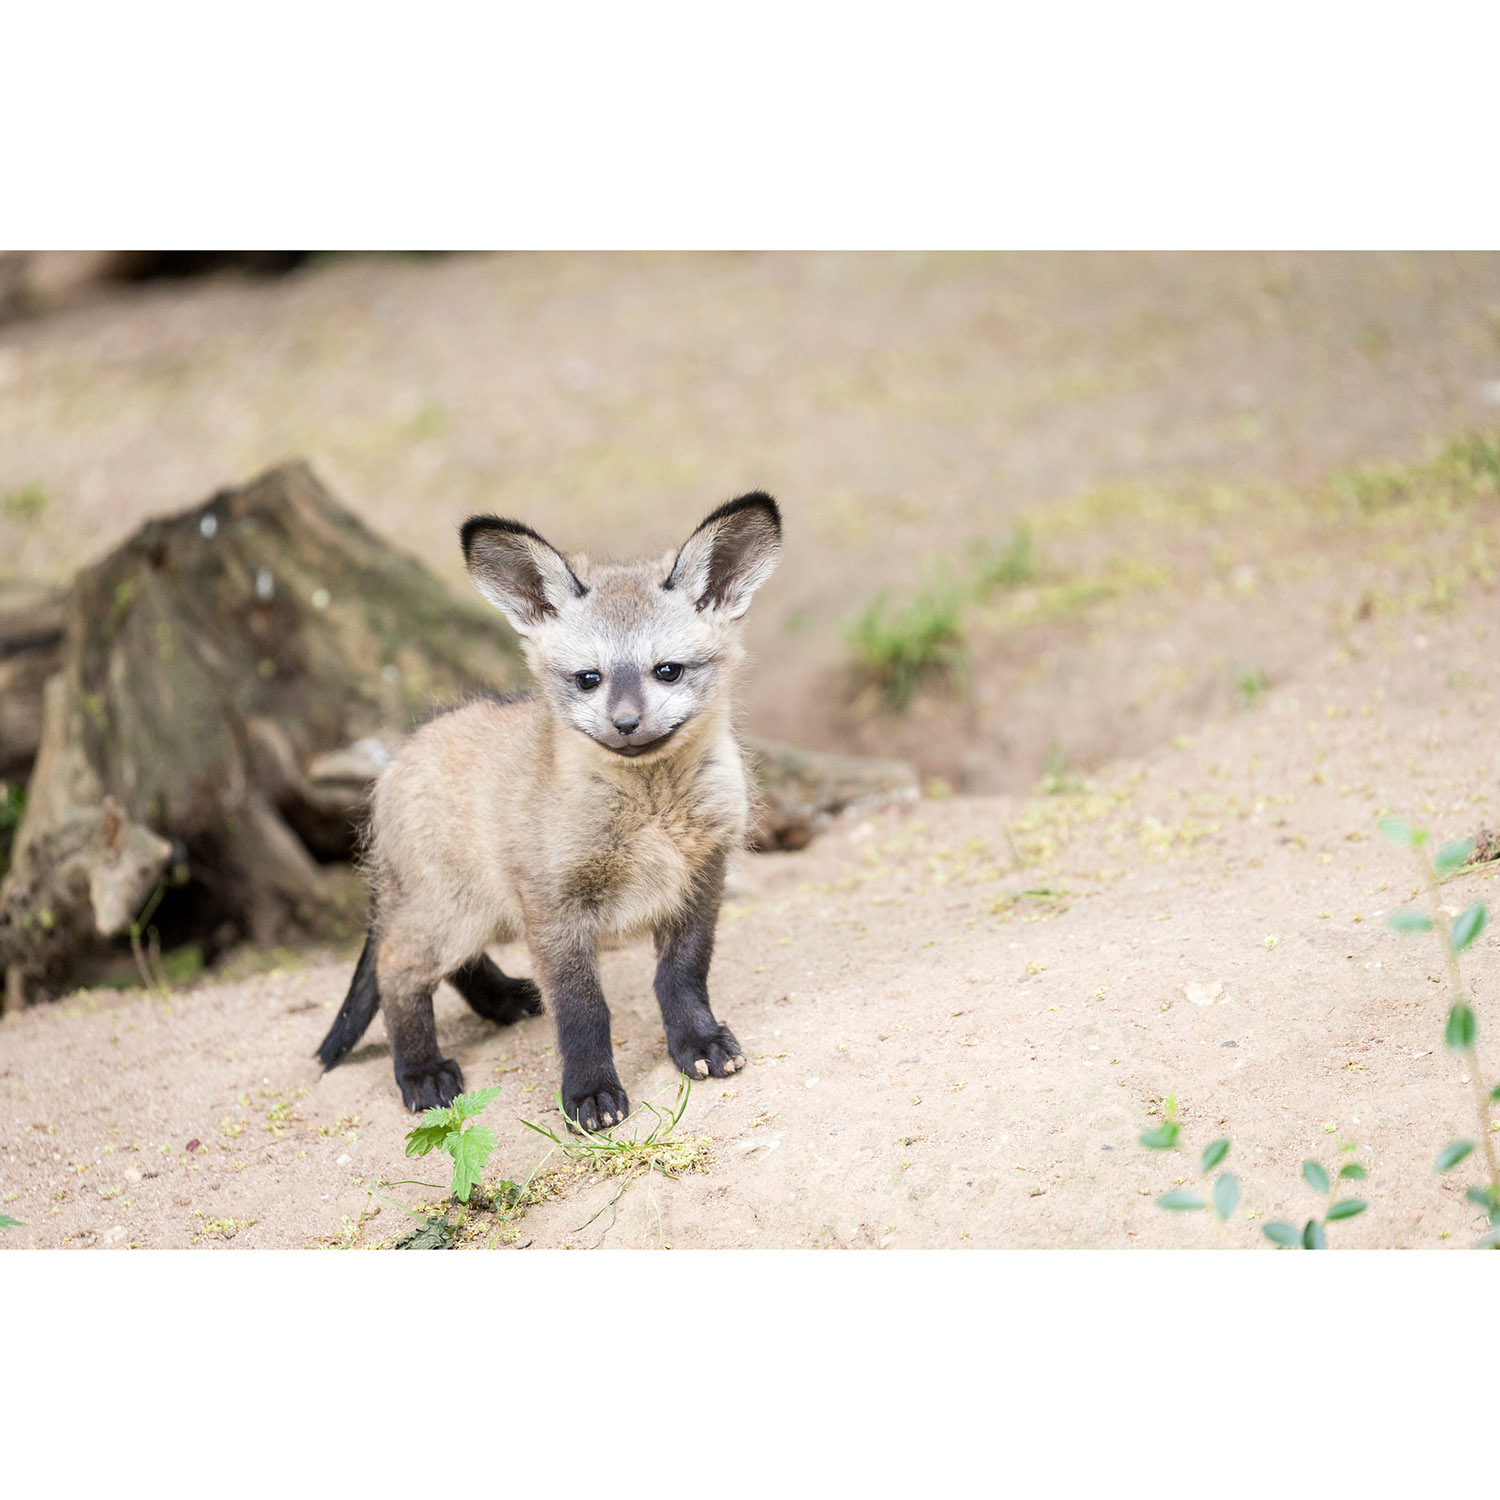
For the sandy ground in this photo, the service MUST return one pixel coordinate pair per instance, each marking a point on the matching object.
(1233, 657)
(937, 1059)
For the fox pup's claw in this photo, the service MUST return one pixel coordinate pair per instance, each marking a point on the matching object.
(601, 1110)
(431, 1087)
(716, 1055)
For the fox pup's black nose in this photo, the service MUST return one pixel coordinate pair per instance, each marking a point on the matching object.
(627, 723)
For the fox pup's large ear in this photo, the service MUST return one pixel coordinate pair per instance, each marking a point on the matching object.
(517, 571)
(730, 555)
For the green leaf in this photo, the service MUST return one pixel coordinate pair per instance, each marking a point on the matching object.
(435, 1233)
(1354, 1170)
(1213, 1154)
(1462, 1028)
(440, 1116)
(1316, 1175)
(1312, 1236)
(470, 1150)
(1347, 1208)
(466, 1106)
(1163, 1138)
(1180, 1202)
(1481, 1196)
(1398, 831)
(1490, 1241)
(1454, 855)
(6, 1222)
(1226, 1194)
(1467, 926)
(1450, 1156)
(1281, 1233)
(1495, 1092)
(1409, 919)
(424, 1137)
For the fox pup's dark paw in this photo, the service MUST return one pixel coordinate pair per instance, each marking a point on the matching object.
(495, 996)
(600, 1110)
(430, 1087)
(715, 1055)
(508, 1000)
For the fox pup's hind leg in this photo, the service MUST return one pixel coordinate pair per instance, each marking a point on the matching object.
(428, 1080)
(699, 1045)
(495, 995)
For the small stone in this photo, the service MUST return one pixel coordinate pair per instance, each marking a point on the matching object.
(344, 1160)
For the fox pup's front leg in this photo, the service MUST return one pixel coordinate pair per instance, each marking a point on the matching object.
(592, 1094)
(684, 948)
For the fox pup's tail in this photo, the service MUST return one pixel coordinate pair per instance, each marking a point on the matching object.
(357, 1011)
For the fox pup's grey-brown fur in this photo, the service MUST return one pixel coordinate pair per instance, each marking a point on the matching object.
(602, 806)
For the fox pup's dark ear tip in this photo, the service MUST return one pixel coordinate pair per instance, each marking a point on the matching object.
(755, 500)
(476, 526)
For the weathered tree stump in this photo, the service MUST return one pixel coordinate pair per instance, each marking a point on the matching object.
(205, 664)
(224, 686)
(31, 637)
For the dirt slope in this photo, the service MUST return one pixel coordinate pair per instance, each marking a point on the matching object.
(903, 407)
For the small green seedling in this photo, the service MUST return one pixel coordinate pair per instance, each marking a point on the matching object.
(444, 1130)
(1252, 686)
(898, 647)
(1312, 1235)
(1226, 1188)
(6, 1222)
(1225, 1194)
(1461, 1031)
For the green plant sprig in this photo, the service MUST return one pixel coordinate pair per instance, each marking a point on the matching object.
(448, 1130)
(1461, 1031)
(1226, 1188)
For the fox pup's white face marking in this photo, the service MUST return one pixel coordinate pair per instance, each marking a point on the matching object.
(629, 653)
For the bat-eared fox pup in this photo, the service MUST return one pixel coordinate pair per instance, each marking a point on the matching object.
(601, 806)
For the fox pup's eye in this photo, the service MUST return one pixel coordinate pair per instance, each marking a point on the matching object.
(668, 671)
(588, 681)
